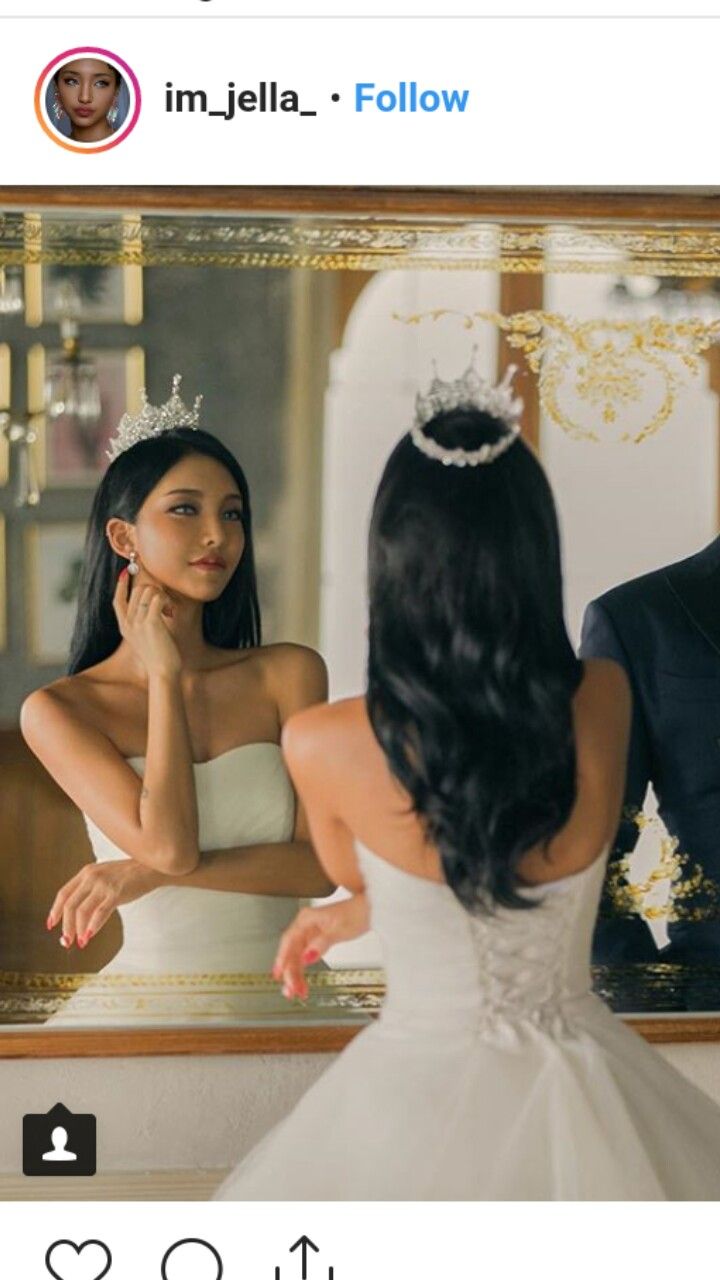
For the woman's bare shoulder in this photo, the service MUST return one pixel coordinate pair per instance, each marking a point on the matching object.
(286, 658)
(67, 691)
(65, 700)
(330, 729)
(90, 694)
(294, 676)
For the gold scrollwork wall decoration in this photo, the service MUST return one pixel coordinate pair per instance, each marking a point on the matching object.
(606, 364)
(674, 889)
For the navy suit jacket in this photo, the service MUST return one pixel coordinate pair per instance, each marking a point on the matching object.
(664, 629)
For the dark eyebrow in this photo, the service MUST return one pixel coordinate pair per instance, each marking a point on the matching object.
(199, 494)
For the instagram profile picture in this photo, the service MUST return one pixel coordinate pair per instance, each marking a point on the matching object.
(87, 99)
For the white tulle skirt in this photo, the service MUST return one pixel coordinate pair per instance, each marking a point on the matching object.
(590, 1112)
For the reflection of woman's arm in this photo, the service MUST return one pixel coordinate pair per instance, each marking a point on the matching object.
(154, 820)
(288, 869)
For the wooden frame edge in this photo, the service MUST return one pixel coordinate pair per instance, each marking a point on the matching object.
(687, 1029)
(657, 204)
(122, 1042)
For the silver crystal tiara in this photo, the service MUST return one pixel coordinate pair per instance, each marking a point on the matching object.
(471, 391)
(153, 420)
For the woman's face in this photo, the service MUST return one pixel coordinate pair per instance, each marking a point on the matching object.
(87, 89)
(188, 533)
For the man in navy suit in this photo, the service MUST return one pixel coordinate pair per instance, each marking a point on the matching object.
(664, 629)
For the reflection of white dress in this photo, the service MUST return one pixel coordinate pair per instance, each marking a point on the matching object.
(493, 1073)
(244, 797)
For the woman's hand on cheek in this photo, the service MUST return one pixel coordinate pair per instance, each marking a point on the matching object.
(86, 902)
(144, 579)
(141, 618)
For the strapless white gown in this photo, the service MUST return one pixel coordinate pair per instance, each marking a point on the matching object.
(185, 937)
(493, 1072)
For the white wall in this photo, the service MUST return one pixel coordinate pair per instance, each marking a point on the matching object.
(204, 1113)
(158, 1113)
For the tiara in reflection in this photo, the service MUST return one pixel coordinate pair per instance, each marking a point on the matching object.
(154, 420)
(471, 391)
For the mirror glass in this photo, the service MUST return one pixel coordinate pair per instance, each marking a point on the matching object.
(308, 339)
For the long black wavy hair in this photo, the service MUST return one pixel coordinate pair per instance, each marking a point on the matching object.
(471, 672)
(230, 622)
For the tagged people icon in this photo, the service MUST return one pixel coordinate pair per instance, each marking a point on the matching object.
(59, 1139)
(59, 1143)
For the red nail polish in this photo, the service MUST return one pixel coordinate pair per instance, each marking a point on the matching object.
(123, 573)
(309, 957)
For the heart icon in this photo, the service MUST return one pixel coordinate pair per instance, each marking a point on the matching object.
(191, 1259)
(90, 1260)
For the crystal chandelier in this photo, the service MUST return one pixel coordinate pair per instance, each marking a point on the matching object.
(19, 429)
(671, 298)
(12, 301)
(71, 385)
(71, 392)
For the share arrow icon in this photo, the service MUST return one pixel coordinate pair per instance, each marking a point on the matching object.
(303, 1244)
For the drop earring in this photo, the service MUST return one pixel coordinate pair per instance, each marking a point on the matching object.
(133, 566)
(57, 108)
(113, 114)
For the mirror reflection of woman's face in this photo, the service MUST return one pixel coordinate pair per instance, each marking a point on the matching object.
(189, 533)
(87, 89)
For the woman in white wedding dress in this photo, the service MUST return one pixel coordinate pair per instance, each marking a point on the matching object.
(467, 803)
(166, 730)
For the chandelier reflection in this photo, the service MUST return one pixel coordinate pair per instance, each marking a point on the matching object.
(71, 387)
(12, 300)
(71, 392)
(671, 298)
(19, 429)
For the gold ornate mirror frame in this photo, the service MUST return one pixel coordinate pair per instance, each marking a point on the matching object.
(653, 232)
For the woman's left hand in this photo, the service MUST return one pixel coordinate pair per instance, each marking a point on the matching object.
(86, 902)
(311, 933)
